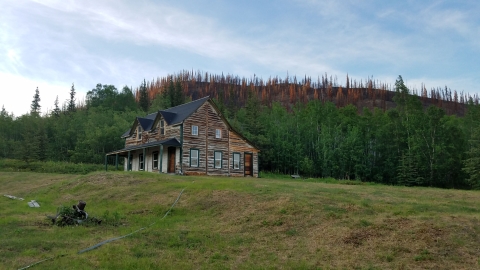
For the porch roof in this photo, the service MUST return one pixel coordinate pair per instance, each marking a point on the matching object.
(166, 142)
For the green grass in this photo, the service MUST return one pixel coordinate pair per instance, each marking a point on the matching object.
(241, 223)
(13, 165)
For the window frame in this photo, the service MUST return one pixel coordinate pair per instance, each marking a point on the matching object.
(139, 132)
(234, 159)
(198, 157)
(141, 162)
(215, 159)
(155, 161)
(162, 127)
(218, 133)
(194, 130)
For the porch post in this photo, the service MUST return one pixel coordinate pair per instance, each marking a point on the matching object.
(128, 162)
(160, 159)
(116, 162)
(106, 162)
(181, 148)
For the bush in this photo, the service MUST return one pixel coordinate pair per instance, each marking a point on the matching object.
(14, 165)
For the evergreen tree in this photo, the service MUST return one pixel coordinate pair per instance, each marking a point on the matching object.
(35, 107)
(71, 103)
(178, 96)
(56, 109)
(144, 101)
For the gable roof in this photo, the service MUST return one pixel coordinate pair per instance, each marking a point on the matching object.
(172, 116)
(179, 113)
(145, 123)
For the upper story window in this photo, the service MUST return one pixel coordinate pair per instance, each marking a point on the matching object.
(195, 130)
(162, 127)
(139, 132)
(218, 133)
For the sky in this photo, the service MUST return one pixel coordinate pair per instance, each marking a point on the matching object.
(53, 44)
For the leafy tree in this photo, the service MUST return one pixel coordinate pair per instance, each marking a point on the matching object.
(472, 163)
(35, 107)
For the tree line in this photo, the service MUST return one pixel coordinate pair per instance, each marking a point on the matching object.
(321, 129)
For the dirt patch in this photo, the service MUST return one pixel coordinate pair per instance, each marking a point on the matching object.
(358, 236)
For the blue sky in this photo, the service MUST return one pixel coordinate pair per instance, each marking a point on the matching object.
(52, 44)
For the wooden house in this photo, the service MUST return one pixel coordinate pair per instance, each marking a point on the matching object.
(191, 139)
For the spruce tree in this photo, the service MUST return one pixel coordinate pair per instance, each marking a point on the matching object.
(35, 107)
(56, 109)
(71, 102)
(178, 95)
(144, 100)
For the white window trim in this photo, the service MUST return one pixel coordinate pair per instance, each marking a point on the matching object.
(218, 133)
(194, 130)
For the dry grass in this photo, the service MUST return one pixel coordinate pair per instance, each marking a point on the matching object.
(241, 223)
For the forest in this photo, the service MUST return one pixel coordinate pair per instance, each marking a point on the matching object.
(366, 130)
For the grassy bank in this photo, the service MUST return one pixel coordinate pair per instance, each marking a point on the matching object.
(240, 223)
(14, 165)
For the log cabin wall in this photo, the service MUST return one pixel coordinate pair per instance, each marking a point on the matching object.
(214, 144)
(198, 118)
(169, 131)
(239, 145)
(208, 120)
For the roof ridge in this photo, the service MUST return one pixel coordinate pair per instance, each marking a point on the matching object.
(196, 100)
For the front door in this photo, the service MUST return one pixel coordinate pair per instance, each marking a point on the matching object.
(171, 160)
(248, 164)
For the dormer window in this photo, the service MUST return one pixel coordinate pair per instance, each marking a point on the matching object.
(162, 127)
(139, 133)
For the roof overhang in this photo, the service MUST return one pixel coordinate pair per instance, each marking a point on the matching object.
(167, 142)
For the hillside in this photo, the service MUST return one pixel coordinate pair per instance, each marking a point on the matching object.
(233, 91)
(238, 223)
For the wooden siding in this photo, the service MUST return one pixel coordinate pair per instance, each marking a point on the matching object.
(199, 141)
(239, 145)
(208, 120)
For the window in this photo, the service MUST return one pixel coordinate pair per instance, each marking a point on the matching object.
(218, 159)
(236, 161)
(218, 133)
(194, 130)
(155, 160)
(162, 127)
(139, 132)
(194, 157)
(140, 162)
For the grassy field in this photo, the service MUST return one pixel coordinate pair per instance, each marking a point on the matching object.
(237, 223)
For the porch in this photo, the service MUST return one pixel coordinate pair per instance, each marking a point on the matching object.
(158, 156)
